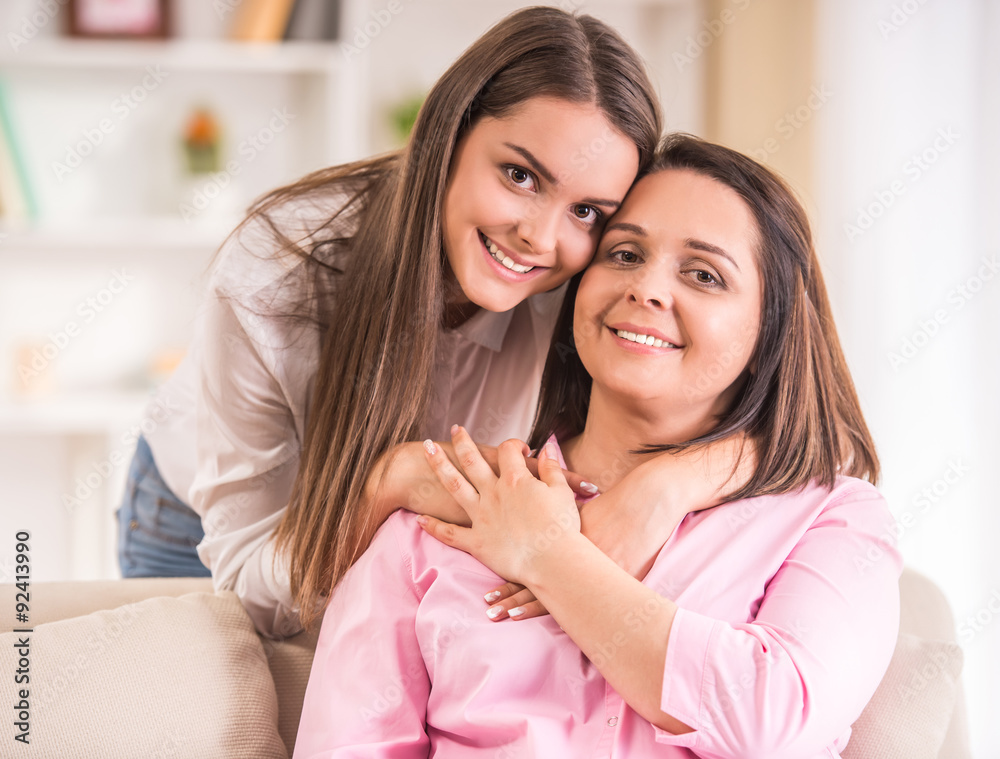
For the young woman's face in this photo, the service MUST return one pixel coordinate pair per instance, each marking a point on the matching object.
(528, 196)
(676, 265)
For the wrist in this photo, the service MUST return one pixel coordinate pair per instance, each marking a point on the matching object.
(551, 560)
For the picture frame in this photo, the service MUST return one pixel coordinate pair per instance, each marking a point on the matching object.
(119, 19)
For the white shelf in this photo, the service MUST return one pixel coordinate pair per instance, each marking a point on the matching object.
(178, 55)
(81, 414)
(153, 234)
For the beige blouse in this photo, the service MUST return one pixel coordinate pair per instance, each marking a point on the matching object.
(239, 401)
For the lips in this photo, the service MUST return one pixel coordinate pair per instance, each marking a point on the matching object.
(643, 335)
(507, 264)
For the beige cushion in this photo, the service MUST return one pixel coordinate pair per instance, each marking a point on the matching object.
(909, 714)
(163, 677)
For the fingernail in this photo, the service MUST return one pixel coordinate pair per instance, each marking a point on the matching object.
(422, 520)
(589, 487)
(494, 611)
(492, 596)
(516, 611)
(454, 429)
(550, 451)
(430, 447)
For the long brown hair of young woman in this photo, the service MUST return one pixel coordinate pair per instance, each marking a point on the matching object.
(798, 406)
(381, 314)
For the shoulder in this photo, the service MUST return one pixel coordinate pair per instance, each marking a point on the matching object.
(850, 502)
(401, 539)
(260, 254)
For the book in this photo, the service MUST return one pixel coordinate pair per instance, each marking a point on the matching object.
(262, 20)
(16, 198)
(314, 20)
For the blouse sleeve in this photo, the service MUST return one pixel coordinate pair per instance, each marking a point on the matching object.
(248, 455)
(786, 684)
(368, 688)
(255, 368)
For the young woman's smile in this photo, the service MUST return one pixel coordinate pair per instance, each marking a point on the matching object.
(670, 308)
(528, 196)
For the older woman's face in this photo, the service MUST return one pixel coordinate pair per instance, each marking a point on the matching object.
(670, 308)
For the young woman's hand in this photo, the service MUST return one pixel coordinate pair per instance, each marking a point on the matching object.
(403, 478)
(515, 516)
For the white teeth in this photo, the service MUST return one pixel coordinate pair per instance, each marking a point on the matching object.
(643, 339)
(505, 260)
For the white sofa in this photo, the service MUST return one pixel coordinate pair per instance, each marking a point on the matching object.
(168, 668)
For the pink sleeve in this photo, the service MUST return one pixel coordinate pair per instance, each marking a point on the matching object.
(368, 688)
(790, 683)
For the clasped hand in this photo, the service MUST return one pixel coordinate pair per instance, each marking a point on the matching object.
(515, 516)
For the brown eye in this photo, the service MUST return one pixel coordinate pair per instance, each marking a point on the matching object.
(522, 178)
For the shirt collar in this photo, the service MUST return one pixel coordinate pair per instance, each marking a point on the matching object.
(487, 328)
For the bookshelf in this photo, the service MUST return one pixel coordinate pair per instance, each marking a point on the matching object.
(119, 209)
(284, 108)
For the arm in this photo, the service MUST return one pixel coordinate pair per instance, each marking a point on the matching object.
(802, 669)
(247, 451)
(368, 688)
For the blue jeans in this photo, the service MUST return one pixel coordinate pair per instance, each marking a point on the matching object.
(157, 531)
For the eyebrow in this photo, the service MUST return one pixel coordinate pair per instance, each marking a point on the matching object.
(549, 177)
(690, 242)
(709, 248)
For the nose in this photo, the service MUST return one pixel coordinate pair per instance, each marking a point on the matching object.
(539, 228)
(648, 288)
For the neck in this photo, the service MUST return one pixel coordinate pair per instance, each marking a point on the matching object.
(602, 452)
(458, 309)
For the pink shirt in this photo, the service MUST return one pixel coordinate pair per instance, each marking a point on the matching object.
(789, 612)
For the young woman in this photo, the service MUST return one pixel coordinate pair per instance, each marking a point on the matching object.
(764, 624)
(375, 303)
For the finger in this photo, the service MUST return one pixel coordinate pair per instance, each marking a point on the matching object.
(449, 534)
(549, 470)
(522, 605)
(577, 484)
(504, 591)
(471, 460)
(450, 478)
(511, 457)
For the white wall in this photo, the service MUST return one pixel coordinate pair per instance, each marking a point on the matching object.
(910, 136)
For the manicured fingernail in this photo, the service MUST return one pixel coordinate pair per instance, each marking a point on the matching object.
(454, 429)
(550, 451)
(423, 521)
(494, 611)
(589, 487)
(430, 447)
(516, 611)
(493, 595)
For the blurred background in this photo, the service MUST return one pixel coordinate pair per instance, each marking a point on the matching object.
(134, 133)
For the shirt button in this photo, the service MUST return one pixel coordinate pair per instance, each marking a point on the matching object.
(612, 722)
